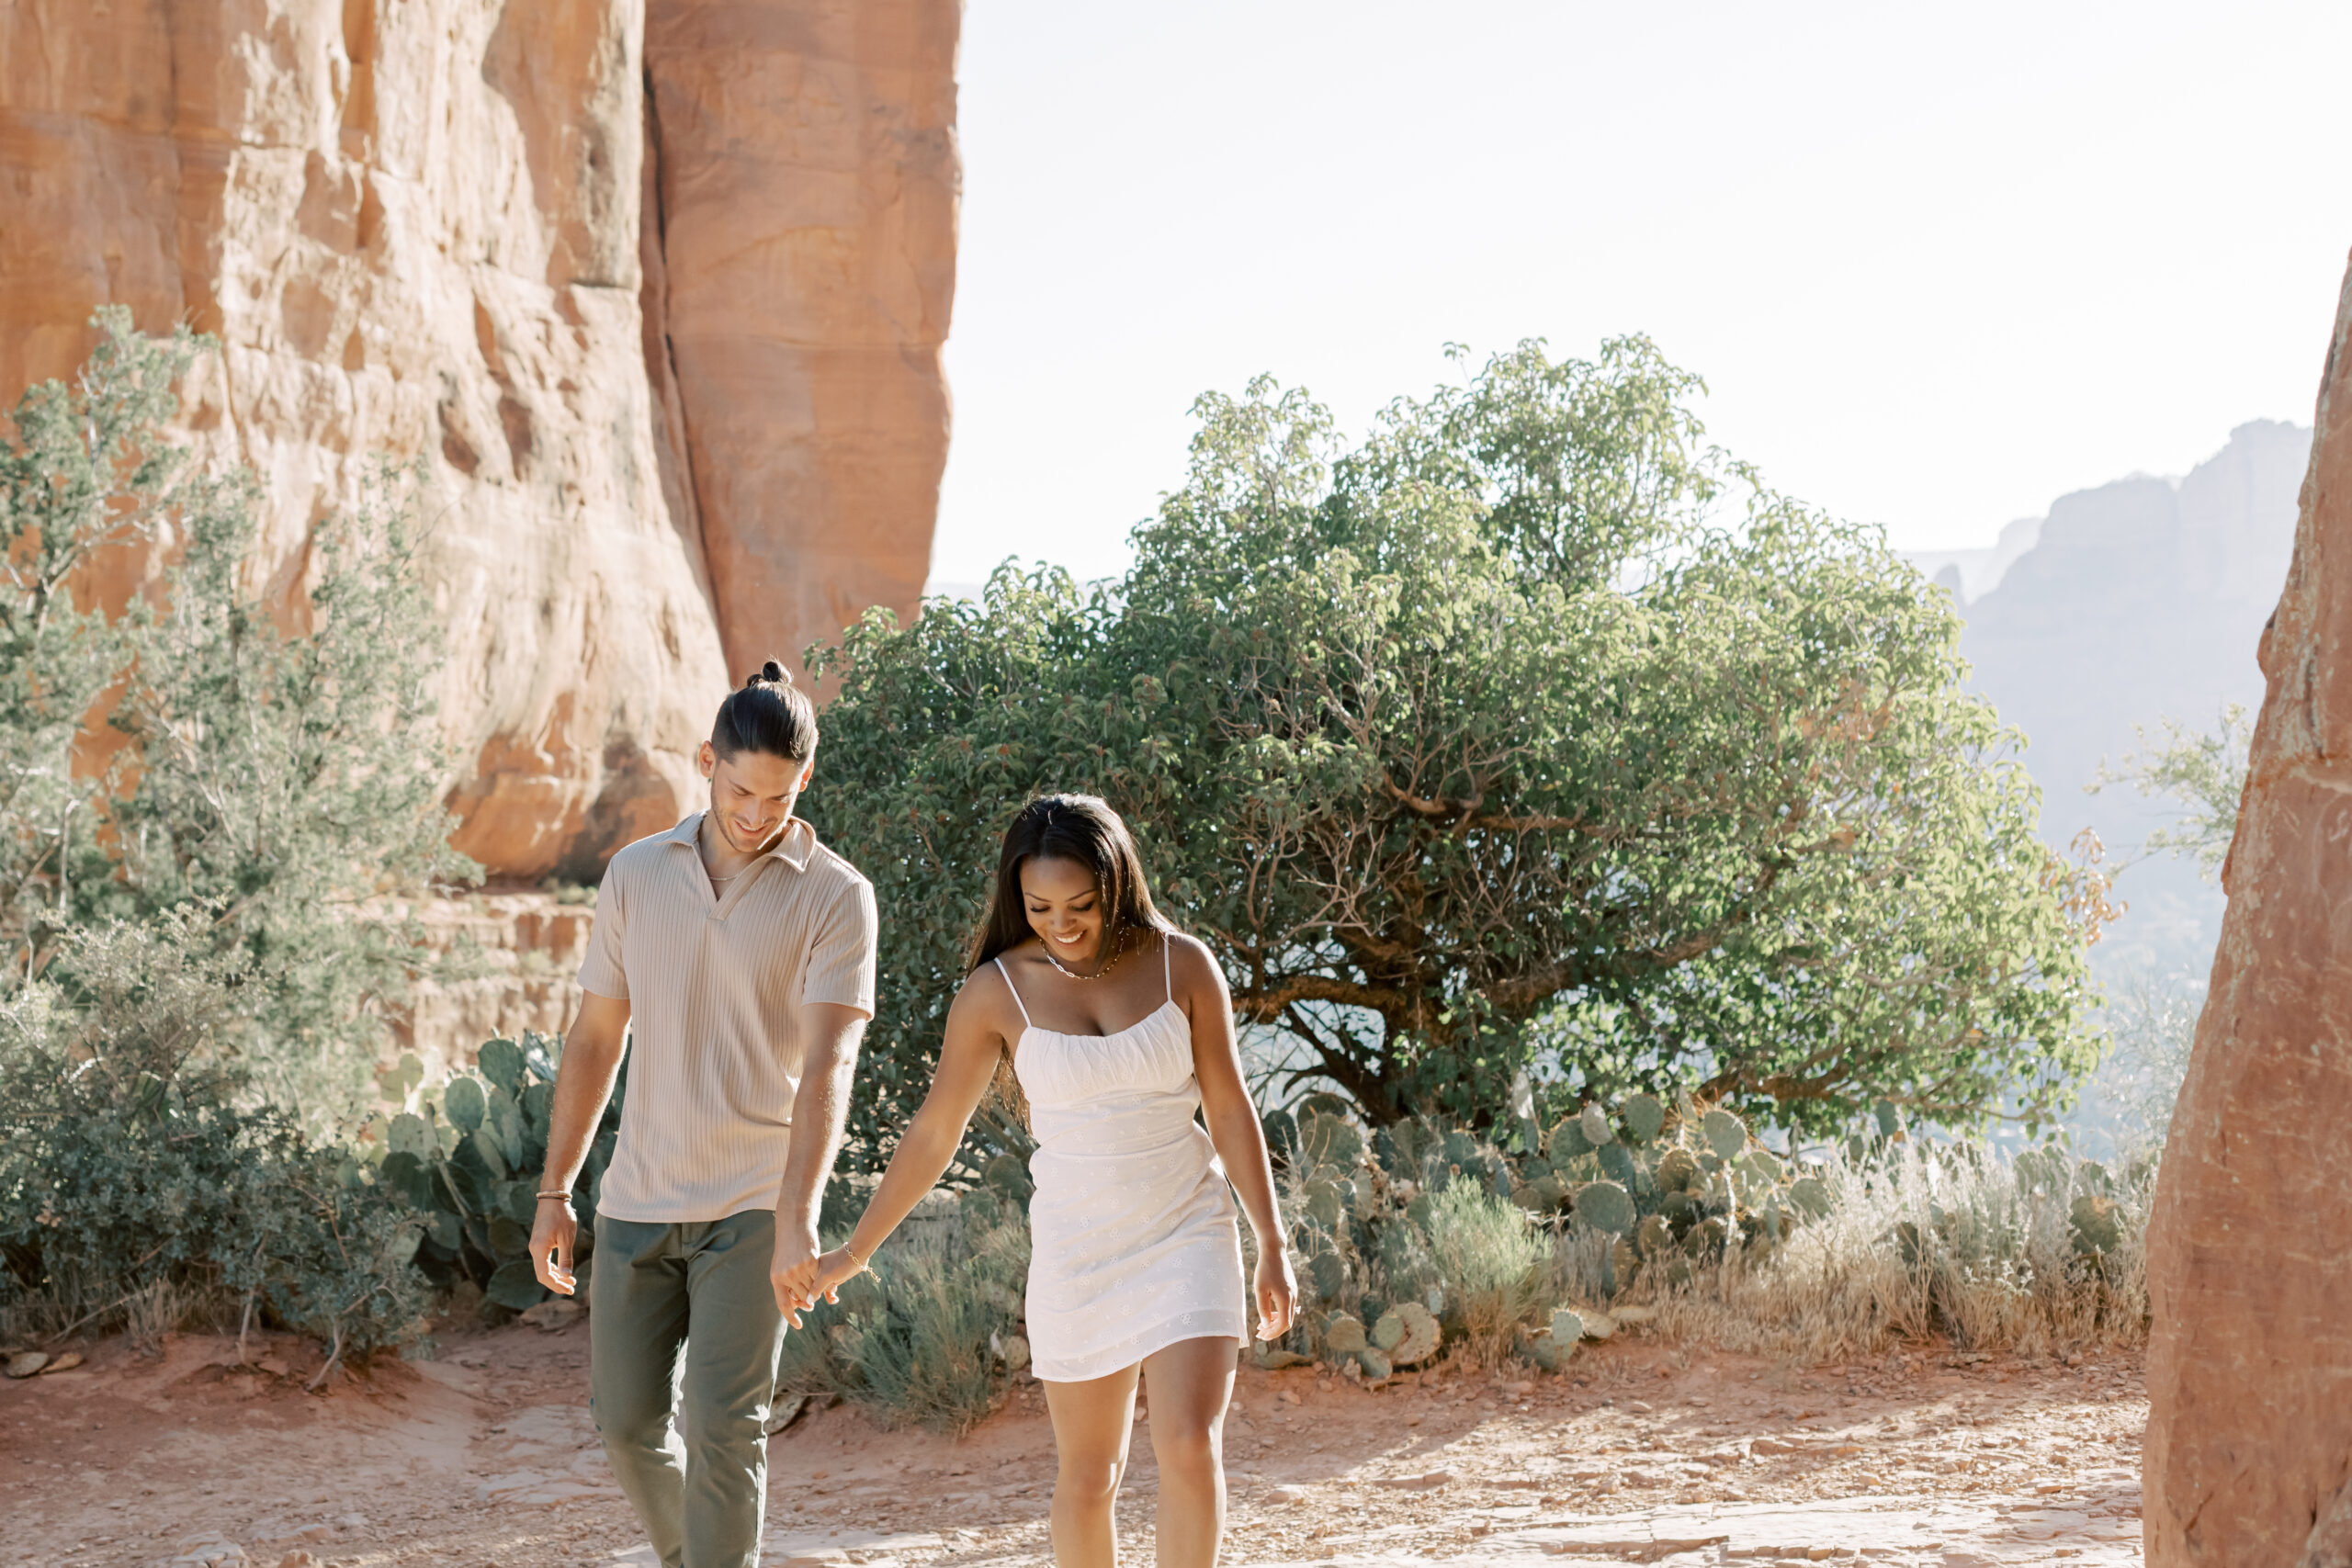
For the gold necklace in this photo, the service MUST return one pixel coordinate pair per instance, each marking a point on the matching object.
(1116, 954)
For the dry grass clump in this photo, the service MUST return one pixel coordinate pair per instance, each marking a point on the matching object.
(2025, 1255)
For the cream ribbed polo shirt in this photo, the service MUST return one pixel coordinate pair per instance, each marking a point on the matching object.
(714, 986)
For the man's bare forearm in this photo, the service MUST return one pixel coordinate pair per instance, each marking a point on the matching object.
(820, 1110)
(583, 1085)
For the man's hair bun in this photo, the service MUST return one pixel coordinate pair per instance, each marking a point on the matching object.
(768, 714)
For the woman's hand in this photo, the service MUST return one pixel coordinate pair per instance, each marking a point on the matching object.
(834, 1269)
(1277, 1293)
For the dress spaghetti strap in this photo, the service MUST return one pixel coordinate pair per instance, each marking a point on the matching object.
(1015, 990)
(1167, 975)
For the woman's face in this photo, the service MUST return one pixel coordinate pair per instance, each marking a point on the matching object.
(1065, 907)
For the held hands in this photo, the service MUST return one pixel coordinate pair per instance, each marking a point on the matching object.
(792, 1273)
(835, 1269)
(1276, 1288)
(799, 1285)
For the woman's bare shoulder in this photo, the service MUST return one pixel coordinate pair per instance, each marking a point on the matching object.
(1189, 963)
(987, 994)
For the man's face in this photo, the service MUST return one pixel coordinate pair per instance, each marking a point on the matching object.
(751, 794)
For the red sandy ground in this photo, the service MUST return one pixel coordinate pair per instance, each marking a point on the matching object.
(482, 1456)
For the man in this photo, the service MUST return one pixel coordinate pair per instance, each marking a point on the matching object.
(738, 953)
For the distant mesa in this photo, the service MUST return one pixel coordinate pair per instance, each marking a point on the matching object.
(2131, 603)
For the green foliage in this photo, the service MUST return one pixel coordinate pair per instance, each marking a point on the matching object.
(131, 1167)
(471, 1168)
(272, 761)
(210, 801)
(1482, 748)
(2203, 774)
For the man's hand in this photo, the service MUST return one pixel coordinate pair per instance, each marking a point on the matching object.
(552, 1233)
(793, 1271)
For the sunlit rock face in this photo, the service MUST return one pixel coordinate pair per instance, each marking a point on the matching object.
(418, 228)
(2250, 1365)
(804, 210)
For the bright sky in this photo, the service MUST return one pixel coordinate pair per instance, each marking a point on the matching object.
(1938, 265)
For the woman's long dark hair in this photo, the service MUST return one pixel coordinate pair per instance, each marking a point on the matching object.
(1081, 828)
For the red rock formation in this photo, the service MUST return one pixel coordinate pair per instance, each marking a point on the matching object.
(806, 207)
(414, 225)
(2250, 1363)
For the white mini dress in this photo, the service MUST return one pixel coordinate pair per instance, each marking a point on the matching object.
(1133, 1240)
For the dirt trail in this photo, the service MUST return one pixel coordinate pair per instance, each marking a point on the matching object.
(483, 1456)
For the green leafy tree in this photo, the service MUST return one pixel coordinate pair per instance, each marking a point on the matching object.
(2201, 773)
(1530, 738)
(190, 751)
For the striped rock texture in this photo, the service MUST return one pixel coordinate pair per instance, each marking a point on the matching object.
(672, 359)
(2249, 1444)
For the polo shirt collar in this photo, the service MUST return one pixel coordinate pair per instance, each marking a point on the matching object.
(799, 843)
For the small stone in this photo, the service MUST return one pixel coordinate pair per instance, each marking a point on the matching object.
(25, 1363)
(298, 1558)
(555, 1312)
(65, 1363)
(1286, 1494)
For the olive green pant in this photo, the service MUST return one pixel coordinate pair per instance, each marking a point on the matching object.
(684, 1335)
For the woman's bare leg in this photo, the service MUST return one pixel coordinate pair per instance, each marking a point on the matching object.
(1092, 1422)
(1189, 1383)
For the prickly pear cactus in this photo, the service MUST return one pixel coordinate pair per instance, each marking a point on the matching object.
(1407, 1333)
(1675, 1188)
(470, 1165)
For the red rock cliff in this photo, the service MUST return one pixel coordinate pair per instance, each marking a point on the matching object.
(2250, 1363)
(419, 227)
(804, 213)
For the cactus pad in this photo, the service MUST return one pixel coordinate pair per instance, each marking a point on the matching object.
(464, 1102)
(1810, 1196)
(1345, 1334)
(1725, 1133)
(410, 1135)
(1595, 1125)
(1652, 1236)
(1605, 1206)
(1541, 1196)
(2096, 1230)
(1567, 1140)
(1326, 1139)
(1678, 1171)
(502, 1062)
(1416, 1330)
(1644, 1118)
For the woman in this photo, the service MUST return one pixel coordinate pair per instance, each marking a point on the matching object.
(1116, 1029)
